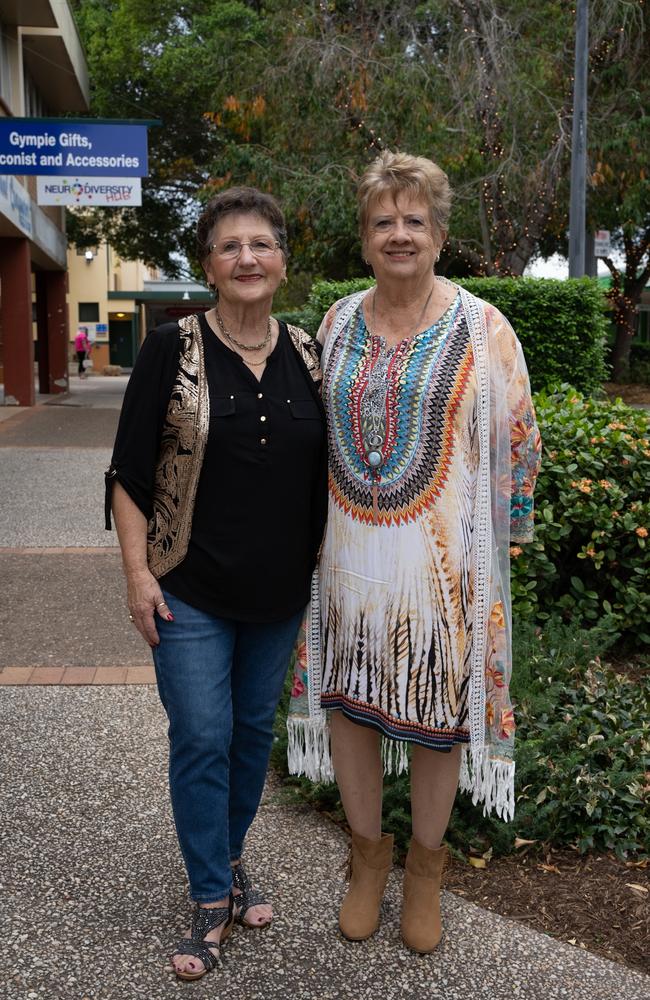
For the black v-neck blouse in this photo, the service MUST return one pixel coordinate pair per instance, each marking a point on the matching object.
(262, 494)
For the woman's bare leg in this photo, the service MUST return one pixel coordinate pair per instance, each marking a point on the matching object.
(356, 755)
(434, 780)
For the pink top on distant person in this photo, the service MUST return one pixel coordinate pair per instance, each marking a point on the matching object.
(81, 342)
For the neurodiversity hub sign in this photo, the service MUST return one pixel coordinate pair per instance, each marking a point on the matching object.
(64, 147)
(106, 191)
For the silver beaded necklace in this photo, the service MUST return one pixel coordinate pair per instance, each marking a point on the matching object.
(373, 403)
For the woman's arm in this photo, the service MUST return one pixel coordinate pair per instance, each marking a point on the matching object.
(144, 595)
(130, 478)
(524, 439)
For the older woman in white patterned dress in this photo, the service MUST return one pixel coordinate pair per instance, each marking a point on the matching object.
(433, 454)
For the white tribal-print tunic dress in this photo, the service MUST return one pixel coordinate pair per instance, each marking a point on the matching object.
(395, 595)
(395, 580)
(409, 626)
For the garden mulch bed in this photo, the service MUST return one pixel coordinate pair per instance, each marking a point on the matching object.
(633, 393)
(590, 901)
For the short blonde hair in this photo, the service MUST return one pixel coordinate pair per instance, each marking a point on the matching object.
(392, 173)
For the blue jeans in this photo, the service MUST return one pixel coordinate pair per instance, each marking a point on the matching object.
(220, 682)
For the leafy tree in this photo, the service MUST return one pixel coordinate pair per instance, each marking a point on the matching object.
(619, 196)
(160, 61)
(298, 97)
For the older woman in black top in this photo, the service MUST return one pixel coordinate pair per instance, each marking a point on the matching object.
(218, 489)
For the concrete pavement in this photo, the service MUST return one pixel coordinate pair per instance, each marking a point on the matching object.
(92, 889)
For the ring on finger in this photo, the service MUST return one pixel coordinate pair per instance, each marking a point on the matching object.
(162, 604)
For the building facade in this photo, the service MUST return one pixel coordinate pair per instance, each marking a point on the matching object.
(115, 326)
(43, 73)
(118, 301)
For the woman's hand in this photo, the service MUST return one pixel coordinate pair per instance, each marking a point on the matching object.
(144, 595)
(145, 601)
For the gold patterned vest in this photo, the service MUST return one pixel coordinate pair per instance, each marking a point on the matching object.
(183, 442)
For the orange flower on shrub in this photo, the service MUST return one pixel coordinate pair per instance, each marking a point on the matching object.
(642, 532)
(515, 550)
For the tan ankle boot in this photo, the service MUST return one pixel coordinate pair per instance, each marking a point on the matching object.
(370, 863)
(421, 926)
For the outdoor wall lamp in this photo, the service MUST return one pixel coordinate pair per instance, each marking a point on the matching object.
(89, 256)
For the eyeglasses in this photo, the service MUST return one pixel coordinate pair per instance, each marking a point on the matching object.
(230, 249)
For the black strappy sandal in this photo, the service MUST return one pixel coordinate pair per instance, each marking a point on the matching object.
(248, 897)
(203, 921)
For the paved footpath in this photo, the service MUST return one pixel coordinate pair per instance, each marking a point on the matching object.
(92, 890)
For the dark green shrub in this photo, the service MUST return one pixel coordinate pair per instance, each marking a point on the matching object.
(323, 294)
(296, 317)
(591, 554)
(561, 324)
(583, 739)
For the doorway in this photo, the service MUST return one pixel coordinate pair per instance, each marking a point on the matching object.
(122, 341)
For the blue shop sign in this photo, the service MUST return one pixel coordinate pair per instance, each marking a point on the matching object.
(65, 146)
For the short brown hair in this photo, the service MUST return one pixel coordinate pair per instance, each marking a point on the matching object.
(392, 173)
(240, 199)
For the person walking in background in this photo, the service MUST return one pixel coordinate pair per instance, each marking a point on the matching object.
(219, 491)
(82, 348)
(433, 456)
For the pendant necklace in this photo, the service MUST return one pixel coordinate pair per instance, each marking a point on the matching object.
(373, 407)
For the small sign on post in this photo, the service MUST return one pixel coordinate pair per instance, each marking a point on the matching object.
(602, 246)
(114, 192)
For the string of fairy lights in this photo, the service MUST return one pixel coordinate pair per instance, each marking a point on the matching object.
(510, 235)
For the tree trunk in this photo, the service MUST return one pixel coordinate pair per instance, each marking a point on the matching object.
(625, 322)
(625, 295)
(513, 262)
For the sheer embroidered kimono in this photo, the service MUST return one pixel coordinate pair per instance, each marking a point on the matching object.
(410, 624)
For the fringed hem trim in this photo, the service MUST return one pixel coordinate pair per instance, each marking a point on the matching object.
(394, 756)
(488, 780)
(308, 752)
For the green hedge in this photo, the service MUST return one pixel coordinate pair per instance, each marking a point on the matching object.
(591, 553)
(561, 324)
